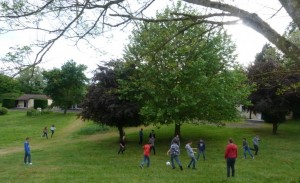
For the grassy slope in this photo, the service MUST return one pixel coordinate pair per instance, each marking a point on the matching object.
(71, 157)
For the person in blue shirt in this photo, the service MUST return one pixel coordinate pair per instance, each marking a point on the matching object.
(27, 157)
(201, 149)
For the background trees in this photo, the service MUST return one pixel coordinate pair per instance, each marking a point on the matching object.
(66, 86)
(9, 87)
(103, 104)
(185, 75)
(32, 81)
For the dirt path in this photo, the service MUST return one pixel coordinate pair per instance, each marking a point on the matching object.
(61, 138)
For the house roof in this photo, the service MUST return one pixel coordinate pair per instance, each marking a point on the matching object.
(32, 96)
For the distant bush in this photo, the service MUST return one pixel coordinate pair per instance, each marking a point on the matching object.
(3, 110)
(33, 112)
(9, 103)
(40, 103)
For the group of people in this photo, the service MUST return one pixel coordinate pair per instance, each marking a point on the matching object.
(174, 151)
(27, 156)
(45, 131)
(231, 152)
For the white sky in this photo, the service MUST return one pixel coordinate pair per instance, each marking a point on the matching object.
(249, 42)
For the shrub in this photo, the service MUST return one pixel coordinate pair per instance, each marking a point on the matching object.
(33, 112)
(3, 110)
(9, 103)
(40, 103)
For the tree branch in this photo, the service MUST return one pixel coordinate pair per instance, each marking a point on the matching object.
(255, 22)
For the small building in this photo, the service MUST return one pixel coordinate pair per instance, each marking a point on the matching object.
(27, 100)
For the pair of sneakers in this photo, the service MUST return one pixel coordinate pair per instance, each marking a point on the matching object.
(28, 163)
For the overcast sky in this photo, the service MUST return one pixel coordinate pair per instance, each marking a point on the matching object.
(248, 42)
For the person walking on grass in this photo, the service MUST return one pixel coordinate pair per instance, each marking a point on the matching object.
(246, 149)
(45, 132)
(122, 144)
(52, 128)
(231, 154)
(201, 149)
(27, 157)
(191, 154)
(255, 141)
(174, 153)
(141, 135)
(146, 158)
(152, 142)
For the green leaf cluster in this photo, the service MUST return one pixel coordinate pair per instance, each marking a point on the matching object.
(182, 74)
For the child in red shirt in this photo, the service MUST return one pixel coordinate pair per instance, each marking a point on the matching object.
(146, 158)
(230, 156)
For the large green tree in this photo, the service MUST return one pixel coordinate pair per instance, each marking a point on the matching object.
(184, 76)
(66, 86)
(103, 104)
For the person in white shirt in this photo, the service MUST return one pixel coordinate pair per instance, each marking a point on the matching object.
(52, 128)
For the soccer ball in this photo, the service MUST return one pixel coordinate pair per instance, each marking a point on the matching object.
(168, 163)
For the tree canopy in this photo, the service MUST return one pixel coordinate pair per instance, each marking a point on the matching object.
(66, 86)
(102, 103)
(190, 76)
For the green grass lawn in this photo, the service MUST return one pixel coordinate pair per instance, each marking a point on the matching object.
(75, 154)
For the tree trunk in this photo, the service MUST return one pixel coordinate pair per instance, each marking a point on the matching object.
(250, 114)
(65, 110)
(177, 130)
(275, 127)
(121, 132)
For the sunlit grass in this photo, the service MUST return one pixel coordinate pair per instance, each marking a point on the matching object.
(93, 158)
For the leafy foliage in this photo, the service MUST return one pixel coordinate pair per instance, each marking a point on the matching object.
(9, 103)
(3, 110)
(269, 75)
(8, 86)
(190, 75)
(66, 86)
(40, 103)
(31, 81)
(102, 103)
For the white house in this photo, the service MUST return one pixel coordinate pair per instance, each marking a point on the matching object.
(27, 100)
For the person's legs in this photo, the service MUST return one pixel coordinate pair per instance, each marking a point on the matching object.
(148, 161)
(245, 150)
(153, 150)
(250, 152)
(194, 162)
(25, 158)
(52, 132)
(256, 149)
(178, 162)
(29, 158)
(172, 161)
(228, 167)
(232, 167)
(203, 155)
(190, 163)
